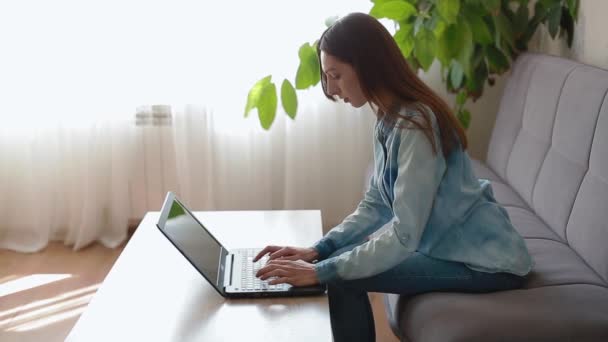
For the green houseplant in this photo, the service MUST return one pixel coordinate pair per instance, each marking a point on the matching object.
(473, 40)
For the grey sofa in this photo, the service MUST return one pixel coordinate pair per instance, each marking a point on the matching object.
(548, 164)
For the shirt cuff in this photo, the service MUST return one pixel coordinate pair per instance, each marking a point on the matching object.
(324, 247)
(326, 270)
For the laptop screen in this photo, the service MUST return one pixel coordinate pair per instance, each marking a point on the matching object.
(189, 236)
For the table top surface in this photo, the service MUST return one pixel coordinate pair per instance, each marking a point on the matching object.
(152, 293)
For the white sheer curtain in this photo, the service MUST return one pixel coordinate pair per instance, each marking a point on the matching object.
(65, 183)
(318, 161)
(73, 73)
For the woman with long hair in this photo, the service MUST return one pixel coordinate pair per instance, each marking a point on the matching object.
(447, 231)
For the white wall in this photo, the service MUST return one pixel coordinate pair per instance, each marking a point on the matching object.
(590, 46)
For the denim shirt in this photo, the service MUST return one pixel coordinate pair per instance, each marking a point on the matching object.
(437, 207)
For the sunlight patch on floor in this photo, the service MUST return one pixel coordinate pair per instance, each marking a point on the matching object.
(54, 315)
(62, 298)
(8, 278)
(29, 282)
(41, 313)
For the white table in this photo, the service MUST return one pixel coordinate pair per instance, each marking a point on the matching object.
(152, 293)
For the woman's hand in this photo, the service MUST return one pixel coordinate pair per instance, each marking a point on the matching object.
(296, 273)
(288, 253)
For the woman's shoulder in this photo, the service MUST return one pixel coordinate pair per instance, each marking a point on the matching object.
(412, 116)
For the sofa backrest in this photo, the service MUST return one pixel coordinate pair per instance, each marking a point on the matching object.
(550, 143)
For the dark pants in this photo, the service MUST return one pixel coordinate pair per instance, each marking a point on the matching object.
(351, 314)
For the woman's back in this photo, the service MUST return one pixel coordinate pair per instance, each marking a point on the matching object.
(465, 223)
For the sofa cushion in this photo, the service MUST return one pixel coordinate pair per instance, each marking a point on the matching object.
(550, 145)
(557, 264)
(587, 229)
(577, 312)
(536, 125)
(567, 159)
(510, 112)
(532, 313)
(484, 172)
(502, 192)
(528, 225)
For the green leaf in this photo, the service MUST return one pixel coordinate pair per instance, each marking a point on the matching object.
(474, 8)
(461, 98)
(255, 93)
(304, 76)
(548, 3)
(413, 63)
(492, 6)
(330, 20)
(308, 73)
(404, 39)
(478, 56)
(464, 116)
(418, 24)
(440, 27)
(497, 61)
(289, 99)
(475, 82)
(567, 25)
(449, 43)
(431, 24)
(449, 9)
(540, 12)
(521, 20)
(507, 49)
(456, 74)
(425, 47)
(573, 8)
(267, 106)
(456, 43)
(481, 33)
(443, 53)
(554, 17)
(503, 27)
(396, 10)
(466, 49)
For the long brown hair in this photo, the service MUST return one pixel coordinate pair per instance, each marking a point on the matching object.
(363, 42)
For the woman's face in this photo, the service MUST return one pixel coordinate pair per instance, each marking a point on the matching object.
(342, 80)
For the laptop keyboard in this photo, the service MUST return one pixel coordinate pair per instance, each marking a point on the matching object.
(249, 282)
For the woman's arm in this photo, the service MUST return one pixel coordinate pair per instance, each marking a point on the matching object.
(418, 177)
(371, 214)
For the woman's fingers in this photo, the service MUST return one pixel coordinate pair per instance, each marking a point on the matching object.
(281, 280)
(271, 266)
(283, 252)
(289, 258)
(275, 273)
(266, 250)
(287, 265)
(296, 273)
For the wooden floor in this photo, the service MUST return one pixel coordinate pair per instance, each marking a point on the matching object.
(383, 330)
(43, 294)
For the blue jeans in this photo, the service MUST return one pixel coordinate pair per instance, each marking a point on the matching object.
(351, 314)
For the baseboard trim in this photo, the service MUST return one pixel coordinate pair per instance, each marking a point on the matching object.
(133, 224)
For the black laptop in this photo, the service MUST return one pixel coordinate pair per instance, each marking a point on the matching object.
(231, 272)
